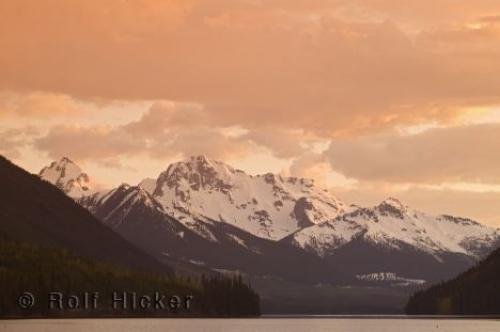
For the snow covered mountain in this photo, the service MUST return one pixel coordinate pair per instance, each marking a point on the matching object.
(127, 204)
(68, 177)
(204, 211)
(137, 216)
(268, 206)
(391, 224)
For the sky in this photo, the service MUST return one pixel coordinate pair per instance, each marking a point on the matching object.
(371, 98)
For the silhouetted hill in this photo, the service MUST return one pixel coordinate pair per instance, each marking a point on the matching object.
(474, 292)
(35, 211)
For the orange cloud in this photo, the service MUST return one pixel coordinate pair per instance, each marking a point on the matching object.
(282, 143)
(161, 133)
(14, 139)
(454, 154)
(38, 104)
(332, 68)
(288, 75)
(90, 142)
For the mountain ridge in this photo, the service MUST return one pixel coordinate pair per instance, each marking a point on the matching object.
(202, 206)
(267, 206)
(391, 220)
(36, 211)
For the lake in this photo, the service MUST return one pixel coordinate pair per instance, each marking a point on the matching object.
(250, 325)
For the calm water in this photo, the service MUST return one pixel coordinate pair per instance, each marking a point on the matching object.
(247, 325)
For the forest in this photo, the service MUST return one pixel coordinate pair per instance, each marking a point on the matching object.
(41, 271)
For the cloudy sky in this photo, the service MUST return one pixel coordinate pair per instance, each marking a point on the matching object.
(371, 98)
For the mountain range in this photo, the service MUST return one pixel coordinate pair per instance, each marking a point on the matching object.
(205, 213)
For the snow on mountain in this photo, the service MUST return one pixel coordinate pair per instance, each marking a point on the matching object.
(391, 223)
(117, 203)
(268, 206)
(68, 177)
(389, 277)
(115, 206)
(199, 192)
(204, 210)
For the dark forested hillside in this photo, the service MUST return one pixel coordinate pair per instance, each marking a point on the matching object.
(474, 292)
(40, 271)
(49, 243)
(35, 211)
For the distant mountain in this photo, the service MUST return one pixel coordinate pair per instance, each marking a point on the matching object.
(68, 177)
(391, 223)
(32, 210)
(205, 213)
(137, 216)
(474, 292)
(388, 236)
(268, 206)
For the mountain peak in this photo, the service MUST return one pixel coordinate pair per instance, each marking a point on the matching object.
(124, 186)
(201, 158)
(269, 205)
(197, 172)
(394, 202)
(65, 160)
(392, 206)
(201, 163)
(67, 176)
